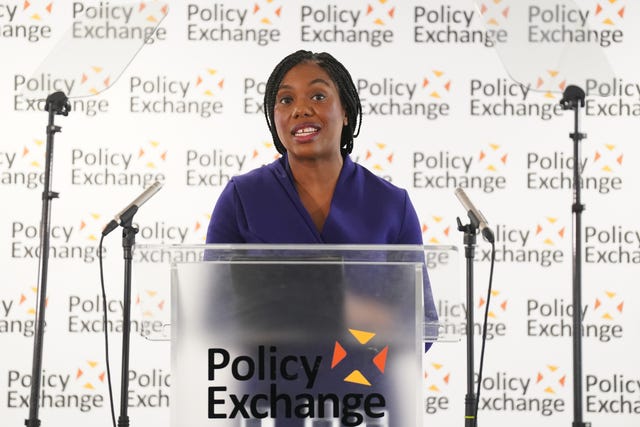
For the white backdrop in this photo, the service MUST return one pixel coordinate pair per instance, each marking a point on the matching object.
(441, 111)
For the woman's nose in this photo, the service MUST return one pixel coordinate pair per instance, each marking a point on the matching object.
(302, 109)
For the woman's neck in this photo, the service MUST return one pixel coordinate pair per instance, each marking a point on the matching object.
(315, 182)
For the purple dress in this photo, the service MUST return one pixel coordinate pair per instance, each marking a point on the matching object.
(263, 206)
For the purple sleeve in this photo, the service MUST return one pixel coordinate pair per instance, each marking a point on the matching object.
(411, 233)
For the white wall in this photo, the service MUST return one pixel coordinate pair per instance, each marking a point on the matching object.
(516, 166)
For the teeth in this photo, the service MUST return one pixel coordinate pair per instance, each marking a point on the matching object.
(305, 131)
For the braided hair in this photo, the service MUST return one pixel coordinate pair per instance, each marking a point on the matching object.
(341, 78)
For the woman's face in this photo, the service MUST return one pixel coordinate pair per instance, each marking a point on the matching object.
(308, 113)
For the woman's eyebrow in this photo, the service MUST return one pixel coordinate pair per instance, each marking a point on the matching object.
(314, 81)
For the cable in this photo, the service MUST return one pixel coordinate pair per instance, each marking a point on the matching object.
(484, 331)
(106, 333)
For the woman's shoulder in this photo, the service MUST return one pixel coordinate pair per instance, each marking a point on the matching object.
(260, 175)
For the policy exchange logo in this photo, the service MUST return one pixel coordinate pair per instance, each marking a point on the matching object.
(270, 369)
(267, 12)
(608, 158)
(551, 379)
(493, 158)
(262, 153)
(209, 82)
(150, 303)
(28, 300)
(381, 13)
(90, 375)
(549, 231)
(610, 14)
(377, 156)
(37, 10)
(498, 304)
(94, 79)
(495, 14)
(437, 377)
(436, 229)
(551, 82)
(608, 306)
(356, 376)
(152, 154)
(436, 83)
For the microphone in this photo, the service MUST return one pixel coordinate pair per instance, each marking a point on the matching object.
(475, 216)
(132, 208)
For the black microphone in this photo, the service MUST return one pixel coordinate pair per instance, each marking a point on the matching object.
(132, 208)
(475, 216)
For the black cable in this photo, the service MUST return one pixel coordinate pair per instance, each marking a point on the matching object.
(484, 332)
(105, 330)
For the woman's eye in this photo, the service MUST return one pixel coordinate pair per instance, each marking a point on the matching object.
(285, 100)
(318, 97)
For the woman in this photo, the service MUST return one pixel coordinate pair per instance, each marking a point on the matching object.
(314, 193)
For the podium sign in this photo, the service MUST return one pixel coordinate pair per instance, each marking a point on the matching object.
(313, 336)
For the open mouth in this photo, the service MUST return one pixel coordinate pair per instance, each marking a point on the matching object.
(305, 131)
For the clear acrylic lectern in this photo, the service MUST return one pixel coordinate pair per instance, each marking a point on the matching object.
(291, 335)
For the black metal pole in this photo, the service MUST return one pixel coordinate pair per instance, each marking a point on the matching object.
(470, 400)
(128, 240)
(56, 103)
(573, 99)
(125, 220)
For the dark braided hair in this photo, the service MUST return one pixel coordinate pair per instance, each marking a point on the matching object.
(341, 78)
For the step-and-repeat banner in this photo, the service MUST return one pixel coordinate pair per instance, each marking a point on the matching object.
(452, 97)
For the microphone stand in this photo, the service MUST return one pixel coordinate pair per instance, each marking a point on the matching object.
(572, 99)
(128, 240)
(56, 104)
(470, 400)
